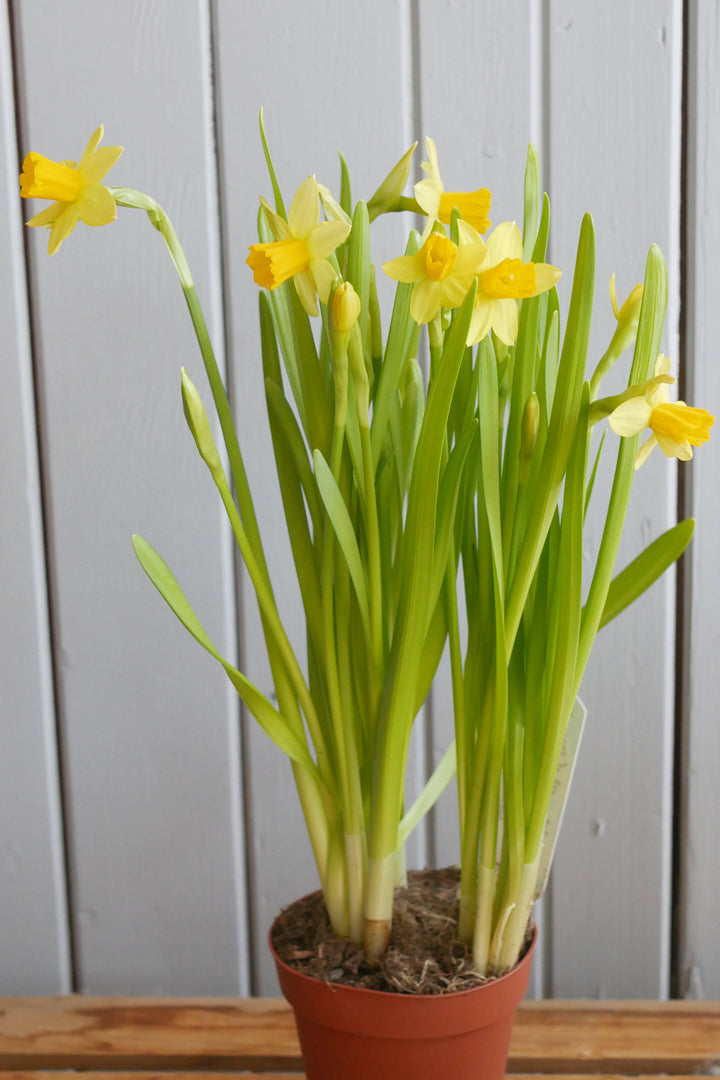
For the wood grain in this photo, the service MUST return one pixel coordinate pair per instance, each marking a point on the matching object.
(222, 1035)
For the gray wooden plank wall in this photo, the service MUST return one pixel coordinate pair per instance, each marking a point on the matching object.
(148, 833)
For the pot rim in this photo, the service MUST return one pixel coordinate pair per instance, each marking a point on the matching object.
(362, 990)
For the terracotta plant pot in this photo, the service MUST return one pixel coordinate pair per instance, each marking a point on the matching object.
(348, 1033)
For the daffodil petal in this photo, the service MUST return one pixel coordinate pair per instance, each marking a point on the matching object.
(468, 234)
(323, 274)
(481, 320)
(631, 417)
(662, 365)
(100, 163)
(425, 300)
(278, 226)
(613, 301)
(505, 320)
(63, 225)
(504, 242)
(96, 205)
(454, 290)
(331, 206)
(427, 195)
(431, 167)
(404, 268)
(645, 450)
(93, 143)
(306, 291)
(325, 237)
(545, 277)
(48, 215)
(470, 257)
(304, 212)
(671, 448)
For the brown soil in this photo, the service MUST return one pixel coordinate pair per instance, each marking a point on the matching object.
(424, 955)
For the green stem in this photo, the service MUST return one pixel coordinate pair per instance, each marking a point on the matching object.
(137, 200)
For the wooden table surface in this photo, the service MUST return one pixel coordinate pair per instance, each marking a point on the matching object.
(195, 1038)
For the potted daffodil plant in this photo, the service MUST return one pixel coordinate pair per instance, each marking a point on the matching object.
(435, 476)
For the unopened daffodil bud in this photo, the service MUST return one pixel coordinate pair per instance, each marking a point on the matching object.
(388, 195)
(627, 317)
(199, 426)
(345, 309)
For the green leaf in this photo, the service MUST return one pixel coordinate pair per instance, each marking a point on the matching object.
(439, 780)
(279, 205)
(646, 568)
(400, 336)
(358, 271)
(591, 482)
(345, 191)
(270, 720)
(446, 508)
(561, 430)
(342, 527)
(530, 207)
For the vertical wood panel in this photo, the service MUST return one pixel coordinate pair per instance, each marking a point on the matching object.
(482, 120)
(337, 81)
(699, 955)
(614, 149)
(479, 145)
(34, 944)
(150, 727)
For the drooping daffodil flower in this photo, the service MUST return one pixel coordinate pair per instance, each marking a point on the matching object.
(503, 279)
(300, 249)
(442, 272)
(438, 203)
(675, 426)
(75, 188)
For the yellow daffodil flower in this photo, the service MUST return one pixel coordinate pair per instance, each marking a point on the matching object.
(503, 279)
(76, 189)
(442, 272)
(438, 203)
(300, 249)
(676, 427)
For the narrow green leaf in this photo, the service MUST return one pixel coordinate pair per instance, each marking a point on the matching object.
(358, 271)
(591, 482)
(281, 412)
(279, 205)
(342, 527)
(646, 568)
(561, 431)
(530, 207)
(270, 720)
(540, 249)
(345, 190)
(400, 336)
(439, 780)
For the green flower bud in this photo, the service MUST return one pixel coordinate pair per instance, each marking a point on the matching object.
(387, 196)
(345, 309)
(199, 426)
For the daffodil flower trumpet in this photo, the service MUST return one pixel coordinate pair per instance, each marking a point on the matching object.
(418, 501)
